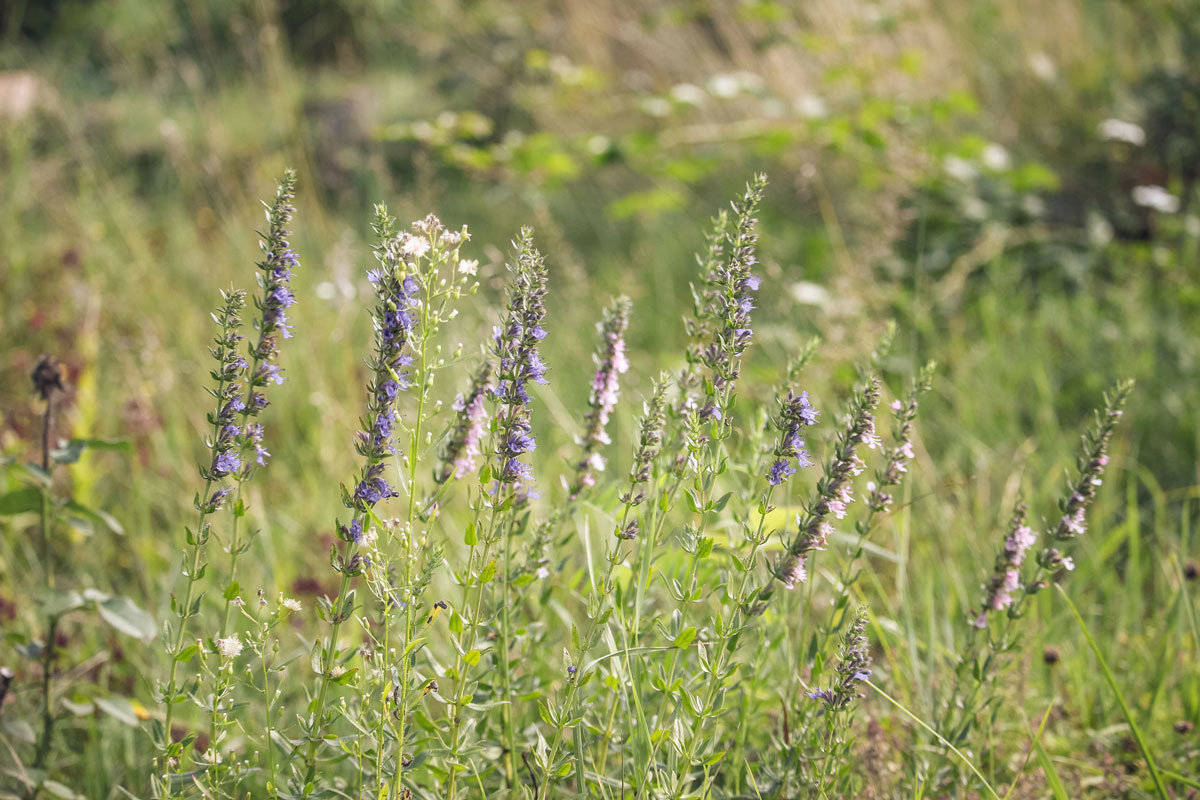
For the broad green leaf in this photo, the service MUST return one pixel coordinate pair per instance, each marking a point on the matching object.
(21, 501)
(685, 637)
(125, 615)
(119, 708)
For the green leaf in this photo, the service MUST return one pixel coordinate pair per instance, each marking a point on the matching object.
(72, 450)
(470, 539)
(346, 677)
(56, 789)
(55, 603)
(21, 501)
(119, 708)
(187, 653)
(231, 591)
(685, 637)
(127, 617)
(471, 657)
(18, 729)
(96, 515)
(488, 572)
(547, 715)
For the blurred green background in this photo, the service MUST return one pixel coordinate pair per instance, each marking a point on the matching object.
(1013, 182)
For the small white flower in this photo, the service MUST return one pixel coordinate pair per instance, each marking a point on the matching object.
(415, 246)
(1118, 130)
(230, 647)
(1068, 563)
(468, 266)
(292, 604)
(543, 572)
(337, 671)
(1157, 198)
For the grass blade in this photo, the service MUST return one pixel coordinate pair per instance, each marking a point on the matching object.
(1037, 737)
(1052, 780)
(945, 742)
(1112, 682)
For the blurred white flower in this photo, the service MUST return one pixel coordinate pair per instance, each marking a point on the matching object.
(959, 168)
(599, 144)
(974, 208)
(688, 93)
(1099, 229)
(724, 85)
(1118, 130)
(995, 157)
(811, 106)
(748, 81)
(1043, 66)
(1033, 205)
(292, 604)
(1157, 198)
(656, 106)
(468, 266)
(810, 294)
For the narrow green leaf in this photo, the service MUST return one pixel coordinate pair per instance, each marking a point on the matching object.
(1052, 780)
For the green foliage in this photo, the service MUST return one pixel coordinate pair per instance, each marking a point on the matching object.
(953, 169)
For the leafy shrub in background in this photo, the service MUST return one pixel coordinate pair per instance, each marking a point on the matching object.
(678, 628)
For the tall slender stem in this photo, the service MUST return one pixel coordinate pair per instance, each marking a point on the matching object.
(43, 747)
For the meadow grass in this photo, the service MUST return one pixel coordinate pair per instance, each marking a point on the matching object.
(120, 230)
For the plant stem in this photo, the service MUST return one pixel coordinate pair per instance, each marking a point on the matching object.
(409, 610)
(316, 720)
(44, 741)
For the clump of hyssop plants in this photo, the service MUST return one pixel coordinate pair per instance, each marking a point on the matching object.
(611, 629)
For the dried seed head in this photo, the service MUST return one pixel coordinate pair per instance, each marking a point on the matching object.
(47, 376)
